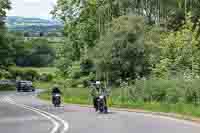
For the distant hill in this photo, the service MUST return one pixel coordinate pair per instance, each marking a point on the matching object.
(15, 23)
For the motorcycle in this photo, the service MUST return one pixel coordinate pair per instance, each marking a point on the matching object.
(101, 104)
(56, 100)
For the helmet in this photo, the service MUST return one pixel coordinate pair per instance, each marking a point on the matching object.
(98, 82)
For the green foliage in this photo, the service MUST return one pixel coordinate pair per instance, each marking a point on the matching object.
(120, 44)
(80, 31)
(107, 42)
(160, 90)
(31, 75)
(24, 74)
(122, 51)
(66, 56)
(74, 71)
(14, 50)
(4, 6)
(157, 54)
(43, 85)
(82, 82)
(5, 47)
(45, 77)
(36, 52)
(87, 66)
(161, 69)
(7, 87)
(74, 83)
(179, 52)
(5, 74)
(172, 96)
(7, 51)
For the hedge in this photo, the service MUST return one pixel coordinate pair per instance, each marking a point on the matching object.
(7, 87)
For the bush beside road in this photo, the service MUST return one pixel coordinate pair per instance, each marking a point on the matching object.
(7, 85)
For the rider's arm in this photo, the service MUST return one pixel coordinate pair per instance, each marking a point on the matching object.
(93, 92)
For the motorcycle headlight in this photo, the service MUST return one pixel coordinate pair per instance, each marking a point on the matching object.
(57, 95)
(101, 97)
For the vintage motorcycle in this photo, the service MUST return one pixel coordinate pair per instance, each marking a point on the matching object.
(102, 104)
(56, 100)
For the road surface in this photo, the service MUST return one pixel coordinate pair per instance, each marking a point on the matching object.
(24, 113)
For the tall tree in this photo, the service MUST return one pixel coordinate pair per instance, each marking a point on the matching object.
(80, 29)
(4, 6)
(5, 48)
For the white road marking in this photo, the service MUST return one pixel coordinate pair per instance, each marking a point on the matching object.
(56, 125)
(2, 99)
(49, 116)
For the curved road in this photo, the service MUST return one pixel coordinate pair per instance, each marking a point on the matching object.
(23, 112)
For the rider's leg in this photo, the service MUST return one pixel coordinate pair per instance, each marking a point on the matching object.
(95, 103)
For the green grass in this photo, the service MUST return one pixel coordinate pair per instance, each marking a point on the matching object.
(82, 96)
(70, 96)
(183, 109)
(44, 95)
(48, 70)
(43, 85)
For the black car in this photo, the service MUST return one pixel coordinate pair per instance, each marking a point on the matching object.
(25, 86)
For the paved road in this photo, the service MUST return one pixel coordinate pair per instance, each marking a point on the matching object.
(14, 119)
(23, 112)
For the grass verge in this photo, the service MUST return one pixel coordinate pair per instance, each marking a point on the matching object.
(43, 85)
(40, 70)
(81, 96)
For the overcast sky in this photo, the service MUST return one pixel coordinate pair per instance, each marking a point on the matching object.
(32, 8)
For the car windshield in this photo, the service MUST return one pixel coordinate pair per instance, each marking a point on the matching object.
(26, 82)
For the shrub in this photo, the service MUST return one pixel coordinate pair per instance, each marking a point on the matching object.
(5, 74)
(122, 51)
(15, 73)
(5, 87)
(35, 52)
(87, 66)
(46, 77)
(160, 90)
(83, 81)
(31, 74)
(1, 75)
(24, 74)
(75, 71)
(176, 54)
(76, 75)
(73, 83)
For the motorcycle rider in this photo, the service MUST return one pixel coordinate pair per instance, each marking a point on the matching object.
(55, 90)
(96, 92)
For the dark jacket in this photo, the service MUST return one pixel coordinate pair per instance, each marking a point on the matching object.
(56, 91)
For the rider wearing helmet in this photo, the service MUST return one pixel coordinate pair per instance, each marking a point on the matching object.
(95, 92)
(56, 90)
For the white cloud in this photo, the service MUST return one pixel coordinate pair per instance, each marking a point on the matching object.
(32, 8)
(31, 1)
(37, 1)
